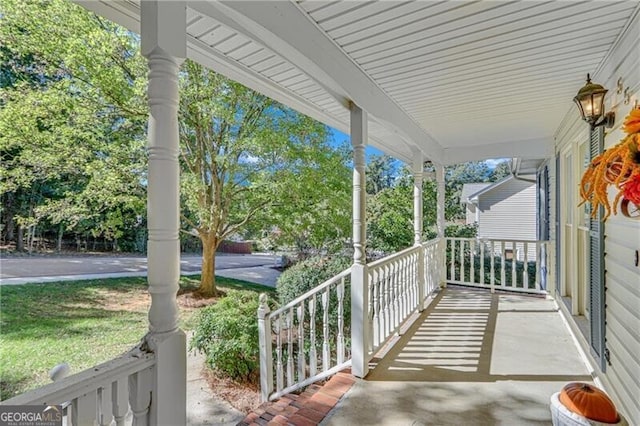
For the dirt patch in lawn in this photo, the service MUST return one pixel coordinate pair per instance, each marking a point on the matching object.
(190, 299)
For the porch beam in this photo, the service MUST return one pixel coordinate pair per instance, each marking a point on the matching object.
(163, 31)
(359, 287)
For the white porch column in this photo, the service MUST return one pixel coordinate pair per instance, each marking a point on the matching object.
(418, 172)
(163, 29)
(359, 281)
(440, 221)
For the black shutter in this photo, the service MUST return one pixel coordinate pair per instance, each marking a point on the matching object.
(558, 230)
(543, 220)
(596, 268)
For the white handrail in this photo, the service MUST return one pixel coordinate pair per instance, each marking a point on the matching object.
(311, 292)
(309, 337)
(502, 264)
(100, 395)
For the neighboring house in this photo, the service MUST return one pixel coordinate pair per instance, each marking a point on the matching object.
(505, 210)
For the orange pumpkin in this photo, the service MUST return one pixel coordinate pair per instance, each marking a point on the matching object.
(589, 401)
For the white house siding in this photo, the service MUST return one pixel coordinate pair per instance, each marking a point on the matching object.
(622, 235)
(508, 211)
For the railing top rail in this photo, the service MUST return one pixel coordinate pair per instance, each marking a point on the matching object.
(496, 240)
(311, 292)
(393, 256)
(85, 381)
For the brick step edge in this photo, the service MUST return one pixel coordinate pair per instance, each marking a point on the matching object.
(305, 409)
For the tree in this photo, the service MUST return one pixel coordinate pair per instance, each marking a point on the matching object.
(501, 171)
(381, 171)
(243, 154)
(72, 122)
(314, 213)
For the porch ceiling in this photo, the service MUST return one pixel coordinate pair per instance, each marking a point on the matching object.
(457, 80)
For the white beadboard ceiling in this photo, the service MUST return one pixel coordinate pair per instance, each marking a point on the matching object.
(457, 80)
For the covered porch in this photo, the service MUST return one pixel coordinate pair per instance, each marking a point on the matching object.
(471, 356)
(490, 352)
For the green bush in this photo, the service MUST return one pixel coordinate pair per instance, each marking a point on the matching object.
(308, 274)
(461, 231)
(227, 333)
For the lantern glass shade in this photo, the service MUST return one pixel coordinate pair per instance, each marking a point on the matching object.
(590, 101)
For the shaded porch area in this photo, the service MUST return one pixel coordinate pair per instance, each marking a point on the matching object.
(471, 357)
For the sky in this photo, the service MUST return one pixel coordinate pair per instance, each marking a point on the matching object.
(339, 137)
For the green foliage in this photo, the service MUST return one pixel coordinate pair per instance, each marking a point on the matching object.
(390, 219)
(381, 172)
(501, 171)
(461, 231)
(73, 121)
(227, 333)
(307, 275)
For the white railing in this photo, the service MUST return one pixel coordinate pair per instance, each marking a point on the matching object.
(306, 340)
(393, 294)
(513, 265)
(116, 392)
(398, 285)
(432, 265)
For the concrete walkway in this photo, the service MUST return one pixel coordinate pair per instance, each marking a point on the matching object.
(202, 407)
(471, 358)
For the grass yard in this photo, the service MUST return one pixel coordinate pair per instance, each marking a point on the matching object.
(83, 323)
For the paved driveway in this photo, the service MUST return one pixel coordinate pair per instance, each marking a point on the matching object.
(19, 270)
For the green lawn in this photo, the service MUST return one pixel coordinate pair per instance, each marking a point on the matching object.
(83, 323)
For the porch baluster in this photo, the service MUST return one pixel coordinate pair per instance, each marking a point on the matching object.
(482, 275)
(279, 366)
(462, 266)
(503, 273)
(301, 360)
(139, 398)
(340, 340)
(452, 257)
(493, 267)
(84, 409)
(525, 270)
(514, 260)
(396, 295)
(378, 313)
(370, 324)
(265, 338)
(326, 355)
(313, 355)
(120, 400)
(105, 413)
(388, 298)
(472, 261)
(289, 325)
(538, 264)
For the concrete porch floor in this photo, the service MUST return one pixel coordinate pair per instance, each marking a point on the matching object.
(471, 358)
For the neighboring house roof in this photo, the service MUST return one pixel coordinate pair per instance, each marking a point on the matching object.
(489, 187)
(469, 189)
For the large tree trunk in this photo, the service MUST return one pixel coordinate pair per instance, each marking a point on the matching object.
(60, 234)
(208, 278)
(20, 239)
